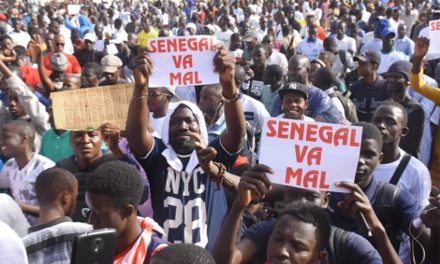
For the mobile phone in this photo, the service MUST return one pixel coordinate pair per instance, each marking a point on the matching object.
(95, 247)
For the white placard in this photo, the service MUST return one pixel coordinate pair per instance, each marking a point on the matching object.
(434, 37)
(310, 155)
(73, 9)
(182, 61)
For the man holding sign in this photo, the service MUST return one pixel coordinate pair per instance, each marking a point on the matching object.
(186, 202)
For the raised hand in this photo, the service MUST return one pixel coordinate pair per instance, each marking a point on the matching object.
(253, 185)
(110, 133)
(142, 68)
(224, 64)
(421, 48)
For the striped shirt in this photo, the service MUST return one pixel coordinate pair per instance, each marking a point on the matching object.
(52, 242)
(146, 246)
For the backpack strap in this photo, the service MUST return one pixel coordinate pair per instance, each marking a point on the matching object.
(337, 245)
(402, 165)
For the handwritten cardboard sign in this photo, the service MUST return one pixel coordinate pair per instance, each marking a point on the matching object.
(89, 108)
(434, 36)
(310, 155)
(181, 61)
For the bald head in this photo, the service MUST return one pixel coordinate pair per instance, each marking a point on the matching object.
(240, 75)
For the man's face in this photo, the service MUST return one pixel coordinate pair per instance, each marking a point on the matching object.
(59, 43)
(312, 32)
(15, 108)
(401, 30)
(89, 78)
(11, 142)
(310, 20)
(103, 214)
(263, 23)
(292, 241)
(17, 24)
(390, 122)
(54, 28)
(157, 98)
(388, 43)
(88, 45)
(111, 77)
(365, 68)
(86, 144)
(99, 29)
(294, 105)
(370, 156)
(7, 44)
(396, 82)
(296, 71)
(183, 122)
(340, 30)
(210, 100)
(259, 57)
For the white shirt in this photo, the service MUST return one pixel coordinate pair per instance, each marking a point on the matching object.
(20, 38)
(278, 58)
(22, 182)
(310, 49)
(224, 36)
(387, 59)
(12, 250)
(415, 178)
(375, 45)
(260, 34)
(346, 43)
(254, 111)
(12, 215)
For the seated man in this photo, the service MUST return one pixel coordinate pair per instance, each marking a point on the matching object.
(255, 240)
(114, 191)
(50, 241)
(88, 155)
(403, 206)
(21, 171)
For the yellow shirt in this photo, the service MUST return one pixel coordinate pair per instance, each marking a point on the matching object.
(143, 37)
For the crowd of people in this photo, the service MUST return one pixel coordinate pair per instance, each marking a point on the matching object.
(181, 183)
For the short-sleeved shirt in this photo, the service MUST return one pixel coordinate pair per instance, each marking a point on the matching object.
(188, 206)
(361, 251)
(54, 146)
(22, 181)
(367, 98)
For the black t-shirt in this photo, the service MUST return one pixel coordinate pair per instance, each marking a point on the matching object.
(367, 98)
(416, 116)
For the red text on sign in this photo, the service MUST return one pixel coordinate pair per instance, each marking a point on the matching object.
(311, 179)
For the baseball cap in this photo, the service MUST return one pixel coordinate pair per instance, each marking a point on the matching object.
(90, 36)
(402, 67)
(58, 62)
(294, 87)
(110, 63)
(387, 32)
(210, 27)
(368, 56)
(249, 36)
(191, 26)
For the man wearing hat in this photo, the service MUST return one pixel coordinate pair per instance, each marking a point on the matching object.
(161, 100)
(88, 53)
(294, 101)
(370, 91)
(397, 79)
(388, 54)
(111, 68)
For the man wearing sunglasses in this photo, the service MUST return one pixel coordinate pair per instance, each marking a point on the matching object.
(58, 44)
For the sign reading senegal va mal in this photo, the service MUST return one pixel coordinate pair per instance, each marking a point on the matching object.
(181, 61)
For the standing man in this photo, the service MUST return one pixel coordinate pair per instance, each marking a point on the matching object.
(403, 42)
(370, 91)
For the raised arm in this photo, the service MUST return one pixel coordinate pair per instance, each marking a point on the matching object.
(358, 201)
(139, 138)
(253, 187)
(35, 48)
(233, 137)
(416, 77)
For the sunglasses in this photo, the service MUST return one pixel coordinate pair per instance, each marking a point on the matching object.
(59, 44)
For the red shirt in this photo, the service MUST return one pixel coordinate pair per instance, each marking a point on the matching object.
(72, 67)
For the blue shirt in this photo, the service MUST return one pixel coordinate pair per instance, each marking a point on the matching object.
(320, 106)
(361, 251)
(405, 45)
(188, 207)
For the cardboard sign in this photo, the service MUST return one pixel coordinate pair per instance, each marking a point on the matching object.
(89, 108)
(310, 155)
(434, 36)
(182, 61)
(73, 9)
